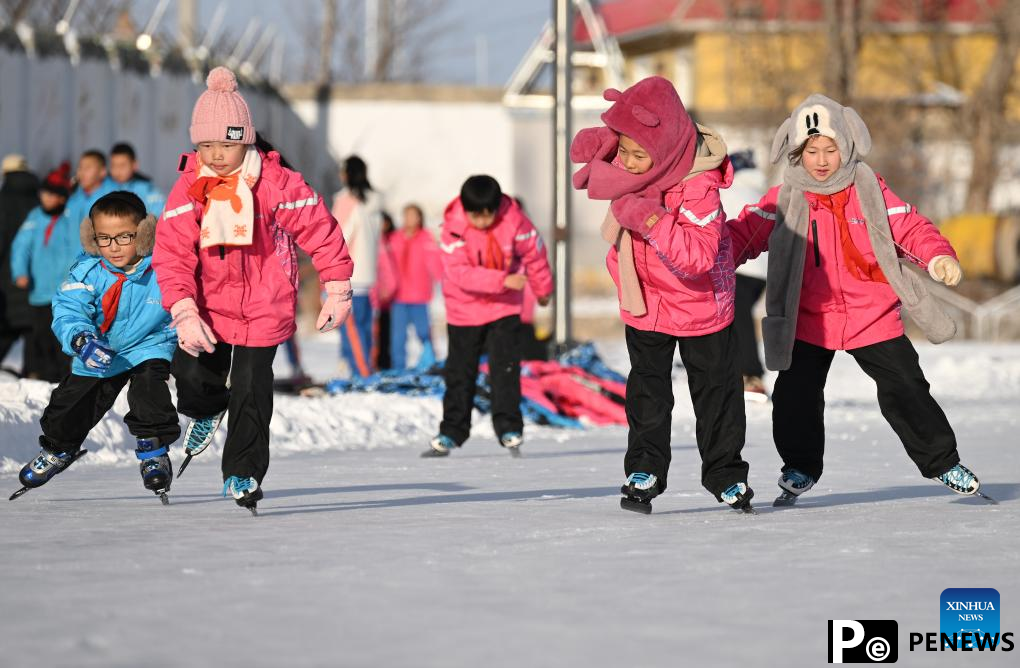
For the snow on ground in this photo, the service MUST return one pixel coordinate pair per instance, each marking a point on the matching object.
(365, 554)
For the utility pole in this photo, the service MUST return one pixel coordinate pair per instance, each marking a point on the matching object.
(563, 26)
(187, 20)
(326, 43)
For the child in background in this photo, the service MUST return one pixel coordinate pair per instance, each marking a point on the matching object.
(845, 293)
(37, 249)
(124, 173)
(670, 259)
(227, 264)
(382, 294)
(359, 209)
(107, 316)
(490, 250)
(418, 267)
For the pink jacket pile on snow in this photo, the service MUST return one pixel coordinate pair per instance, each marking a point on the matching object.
(248, 293)
(475, 294)
(839, 311)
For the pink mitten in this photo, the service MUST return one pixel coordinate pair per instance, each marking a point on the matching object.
(193, 335)
(634, 213)
(590, 145)
(336, 307)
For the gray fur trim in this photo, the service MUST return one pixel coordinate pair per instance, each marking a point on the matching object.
(87, 233)
(145, 240)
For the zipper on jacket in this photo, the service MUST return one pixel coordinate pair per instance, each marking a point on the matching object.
(814, 234)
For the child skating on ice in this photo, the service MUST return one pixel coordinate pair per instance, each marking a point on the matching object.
(107, 315)
(835, 235)
(226, 258)
(489, 251)
(670, 259)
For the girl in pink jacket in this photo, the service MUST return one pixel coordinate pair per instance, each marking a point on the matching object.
(835, 234)
(672, 264)
(489, 250)
(226, 262)
(416, 260)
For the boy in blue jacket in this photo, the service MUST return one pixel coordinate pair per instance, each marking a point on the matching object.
(108, 316)
(125, 175)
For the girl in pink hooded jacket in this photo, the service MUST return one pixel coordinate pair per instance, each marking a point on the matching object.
(672, 264)
(226, 262)
(489, 251)
(835, 233)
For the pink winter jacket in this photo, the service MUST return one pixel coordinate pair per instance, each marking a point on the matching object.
(474, 294)
(418, 266)
(684, 263)
(837, 310)
(248, 294)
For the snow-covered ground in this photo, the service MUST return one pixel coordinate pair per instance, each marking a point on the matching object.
(365, 554)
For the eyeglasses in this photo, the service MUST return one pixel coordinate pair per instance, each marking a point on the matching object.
(122, 239)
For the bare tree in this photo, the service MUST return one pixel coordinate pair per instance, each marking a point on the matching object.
(93, 17)
(985, 111)
(402, 34)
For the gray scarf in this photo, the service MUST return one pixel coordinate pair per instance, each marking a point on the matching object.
(788, 241)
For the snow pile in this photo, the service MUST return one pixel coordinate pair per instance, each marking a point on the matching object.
(960, 374)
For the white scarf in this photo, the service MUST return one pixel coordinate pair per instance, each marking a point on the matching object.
(229, 216)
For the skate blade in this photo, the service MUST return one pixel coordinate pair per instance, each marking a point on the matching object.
(18, 493)
(164, 499)
(432, 452)
(746, 510)
(636, 505)
(986, 497)
(515, 452)
(184, 465)
(785, 500)
(254, 511)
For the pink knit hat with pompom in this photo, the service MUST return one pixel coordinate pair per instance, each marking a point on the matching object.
(220, 113)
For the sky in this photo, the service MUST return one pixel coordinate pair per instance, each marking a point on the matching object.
(481, 41)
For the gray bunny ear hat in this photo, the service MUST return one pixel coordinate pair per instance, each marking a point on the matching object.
(822, 116)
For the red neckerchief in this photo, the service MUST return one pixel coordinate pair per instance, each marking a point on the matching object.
(111, 298)
(49, 229)
(493, 252)
(859, 267)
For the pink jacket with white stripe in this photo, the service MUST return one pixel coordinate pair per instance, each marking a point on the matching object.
(838, 311)
(248, 294)
(417, 264)
(475, 294)
(684, 262)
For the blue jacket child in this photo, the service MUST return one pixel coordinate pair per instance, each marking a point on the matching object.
(45, 247)
(108, 315)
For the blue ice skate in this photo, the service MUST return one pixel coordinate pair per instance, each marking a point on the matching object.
(512, 441)
(638, 492)
(440, 446)
(43, 467)
(246, 492)
(155, 467)
(198, 437)
(738, 496)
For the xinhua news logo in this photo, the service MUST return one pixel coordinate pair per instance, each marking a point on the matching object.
(968, 622)
(863, 641)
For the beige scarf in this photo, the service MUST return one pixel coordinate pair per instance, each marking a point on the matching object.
(229, 216)
(711, 151)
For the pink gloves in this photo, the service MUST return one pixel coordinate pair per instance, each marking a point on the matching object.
(635, 213)
(193, 335)
(336, 307)
(590, 145)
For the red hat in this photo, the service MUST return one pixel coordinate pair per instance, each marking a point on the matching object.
(58, 181)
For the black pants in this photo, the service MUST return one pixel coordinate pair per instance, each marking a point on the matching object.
(44, 359)
(748, 293)
(8, 337)
(466, 344)
(202, 392)
(383, 359)
(716, 391)
(78, 403)
(798, 405)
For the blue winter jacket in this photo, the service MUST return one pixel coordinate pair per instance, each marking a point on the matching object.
(141, 329)
(154, 199)
(46, 264)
